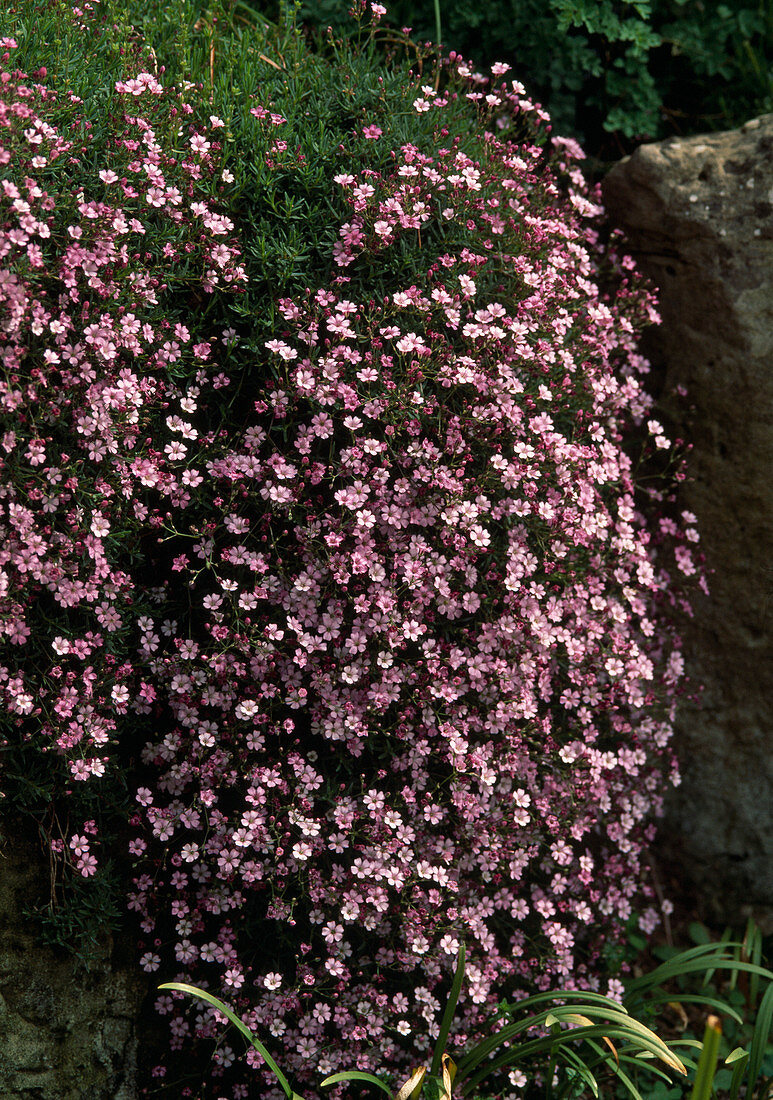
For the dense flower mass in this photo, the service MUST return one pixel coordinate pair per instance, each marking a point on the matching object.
(374, 591)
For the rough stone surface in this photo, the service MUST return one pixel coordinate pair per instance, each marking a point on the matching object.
(698, 214)
(65, 1034)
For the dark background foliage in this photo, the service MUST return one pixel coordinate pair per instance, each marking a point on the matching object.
(612, 73)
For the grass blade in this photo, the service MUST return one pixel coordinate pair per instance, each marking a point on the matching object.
(717, 1003)
(453, 998)
(202, 995)
(760, 1037)
(509, 1031)
(355, 1075)
(738, 1059)
(753, 944)
(581, 1069)
(707, 1063)
(547, 1044)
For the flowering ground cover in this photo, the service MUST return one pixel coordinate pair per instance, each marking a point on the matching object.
(328, 596)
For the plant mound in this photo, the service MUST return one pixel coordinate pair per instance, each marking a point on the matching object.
(313, 484)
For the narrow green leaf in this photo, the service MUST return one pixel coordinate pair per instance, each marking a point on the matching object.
(575, 1061)
(753, 941)
(547, 1044)
(760, 1038)
(587, 1001)
(667, 972)
(725, 938)
(630, 1028)
(707, 1063)
(717, 1003)
(202, 995)
(436, 1068)
(620, 1074)
(739, 1059)
(355, 1075)
(676, 965)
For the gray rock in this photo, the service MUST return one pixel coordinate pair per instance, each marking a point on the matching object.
(698, 214)
(65, 1034)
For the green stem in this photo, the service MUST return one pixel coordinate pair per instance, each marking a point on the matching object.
(437, 22)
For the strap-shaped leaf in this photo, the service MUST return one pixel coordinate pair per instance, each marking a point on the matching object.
(632, 1029)
(719, 1005)
(707, 1063)
(760, 1038)
(738, 1059)
(448, 1015)
(202, 995)
(581, 1070)
(355, 1075)
(691, 962)
(545, 1045)
(587, 1000)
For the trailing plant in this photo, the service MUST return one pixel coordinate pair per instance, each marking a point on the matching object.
(323, 547)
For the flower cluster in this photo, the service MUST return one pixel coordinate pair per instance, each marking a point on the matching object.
(391, 612)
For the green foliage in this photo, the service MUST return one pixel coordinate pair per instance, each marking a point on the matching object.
(727, 979)
(611, 72)
(539, 1034)
(94, 908)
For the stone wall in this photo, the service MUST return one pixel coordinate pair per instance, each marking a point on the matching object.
(698, 214)
(65, 1034)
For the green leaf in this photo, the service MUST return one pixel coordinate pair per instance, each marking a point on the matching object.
(760, 1037)
(699, 933)
(629, 1031)
(445, 1026)
(719, 1004)
(581, 1069)
(739, 1059)
(355, 1075)
(486, 1046)
(434, 1088)
(697, 959)
(202, 995)
(707, 1063)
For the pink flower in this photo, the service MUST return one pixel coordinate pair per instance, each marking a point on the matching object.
(87, 865)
